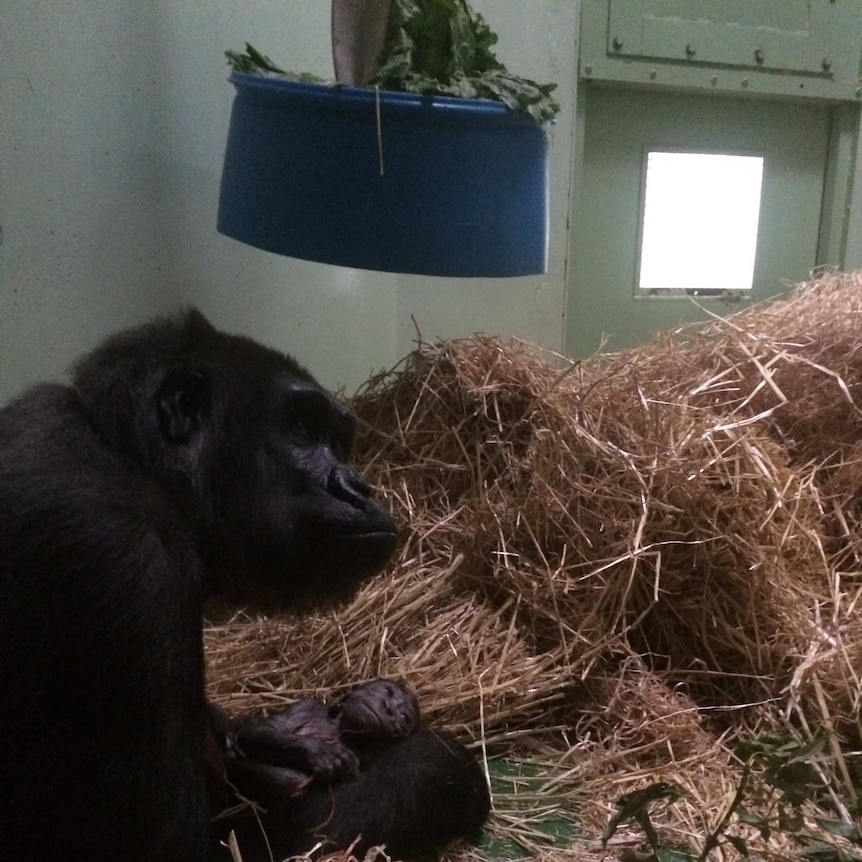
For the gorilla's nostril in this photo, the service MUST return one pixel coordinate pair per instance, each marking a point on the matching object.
(347, 485)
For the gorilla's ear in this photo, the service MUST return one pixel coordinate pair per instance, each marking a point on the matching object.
(183, 402)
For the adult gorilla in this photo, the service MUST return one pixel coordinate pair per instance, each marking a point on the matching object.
(180, 463)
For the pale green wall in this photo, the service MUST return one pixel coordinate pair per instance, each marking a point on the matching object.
(112, 127)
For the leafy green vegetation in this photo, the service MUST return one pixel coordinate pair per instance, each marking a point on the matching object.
(436, 47)
(635, 807)
(781, 778)
(255, 63)
(443, 47)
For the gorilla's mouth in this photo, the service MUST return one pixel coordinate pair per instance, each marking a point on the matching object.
(353, 556)
(322, 573)
(379, 538)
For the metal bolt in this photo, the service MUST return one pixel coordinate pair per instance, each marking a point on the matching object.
(653, 74)
(745, 82)
(689, 51)
(827, 64)
(617, 43)
(588, 69)
(758, 55)
(713, 79)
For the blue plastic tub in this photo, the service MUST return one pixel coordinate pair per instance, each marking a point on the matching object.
(464, 188)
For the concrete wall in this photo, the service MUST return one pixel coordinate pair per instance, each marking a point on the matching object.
(113, 118)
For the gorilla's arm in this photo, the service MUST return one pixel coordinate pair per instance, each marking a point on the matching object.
(415, 789)
(281, 754)
(415, 796)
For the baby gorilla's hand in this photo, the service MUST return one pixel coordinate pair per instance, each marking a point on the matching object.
(283, 753)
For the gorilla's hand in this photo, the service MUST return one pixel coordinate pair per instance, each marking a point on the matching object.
(284, 752)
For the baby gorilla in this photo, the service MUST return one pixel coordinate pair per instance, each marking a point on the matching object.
(329, 777)
(311, 742)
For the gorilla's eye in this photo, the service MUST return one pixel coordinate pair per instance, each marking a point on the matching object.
(342, 447)
(313, 416)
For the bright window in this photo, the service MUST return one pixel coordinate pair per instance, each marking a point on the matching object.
(699, 225)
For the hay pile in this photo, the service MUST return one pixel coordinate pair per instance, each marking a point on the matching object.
(610, 570)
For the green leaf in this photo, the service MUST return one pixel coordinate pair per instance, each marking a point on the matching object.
(820, 851)
(633, 806)
(443, 47)
(790, 820)
(665, 855)
(739, 844)
(255, 63)
(759, 821)
(840, 828)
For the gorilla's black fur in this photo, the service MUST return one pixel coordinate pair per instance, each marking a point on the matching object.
(180, 463)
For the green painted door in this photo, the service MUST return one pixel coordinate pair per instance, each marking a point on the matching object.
(604, 308)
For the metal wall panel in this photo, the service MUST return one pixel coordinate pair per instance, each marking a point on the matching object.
(791, 48)
(604, 305)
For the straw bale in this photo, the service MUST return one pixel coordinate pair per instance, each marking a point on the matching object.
(616, 517)
(467, 661)
(799, 360)
(633, 710)
(795, 366)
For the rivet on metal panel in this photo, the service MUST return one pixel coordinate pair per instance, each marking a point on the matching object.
(689, 51)
(827, 64)
(653, 74)
(588, 69)
(758, 55)
(713, 79)
(745, 82)
(617, 43)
